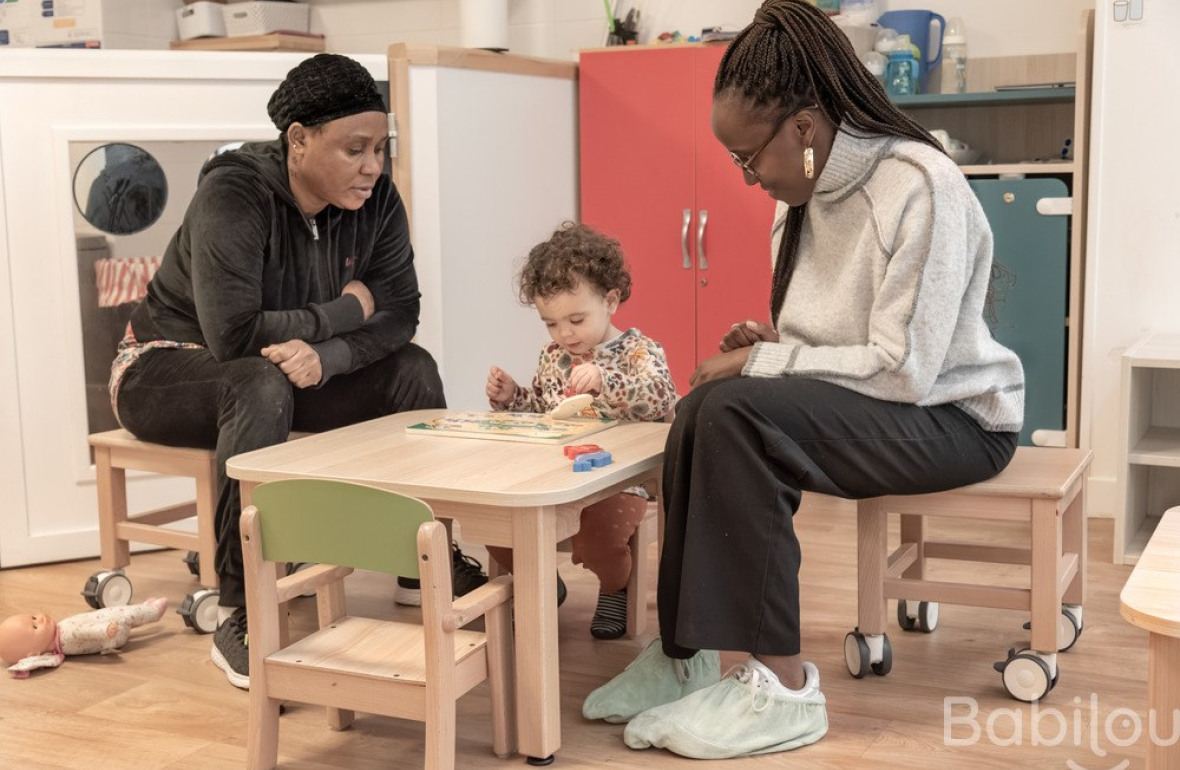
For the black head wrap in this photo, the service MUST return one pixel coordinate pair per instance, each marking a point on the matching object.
(325, 87)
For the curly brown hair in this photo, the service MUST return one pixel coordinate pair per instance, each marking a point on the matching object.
(574, 253)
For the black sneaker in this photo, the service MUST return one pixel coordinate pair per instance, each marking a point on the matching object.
(230, 649)
(466, 573)
(610, 616)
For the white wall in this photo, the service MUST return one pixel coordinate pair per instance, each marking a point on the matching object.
(558, 28)
(1132, 270)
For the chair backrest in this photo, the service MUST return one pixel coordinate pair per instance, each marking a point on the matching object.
(334, 522)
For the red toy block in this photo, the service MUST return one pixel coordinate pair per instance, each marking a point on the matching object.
(572, 452)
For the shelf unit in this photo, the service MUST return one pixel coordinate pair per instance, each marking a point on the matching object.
(992, 98)
(1022, 132)
(1149, 482)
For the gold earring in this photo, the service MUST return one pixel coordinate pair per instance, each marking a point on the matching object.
(809, 163)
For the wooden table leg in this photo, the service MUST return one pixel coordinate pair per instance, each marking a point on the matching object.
(1163, 685)
(538, 695)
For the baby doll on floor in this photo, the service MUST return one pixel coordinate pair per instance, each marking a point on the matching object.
(33, 641)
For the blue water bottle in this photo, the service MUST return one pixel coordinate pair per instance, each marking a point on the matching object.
(901, 74)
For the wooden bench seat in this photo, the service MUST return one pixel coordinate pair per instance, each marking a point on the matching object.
(1042, 486)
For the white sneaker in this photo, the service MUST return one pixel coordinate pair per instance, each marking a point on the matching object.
(408, 592)
(748, 712)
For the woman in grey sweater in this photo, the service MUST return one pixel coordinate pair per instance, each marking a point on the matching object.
(877, 376)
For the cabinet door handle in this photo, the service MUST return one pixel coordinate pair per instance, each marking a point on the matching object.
(1055, 207)
(702, 223)
(686, 259)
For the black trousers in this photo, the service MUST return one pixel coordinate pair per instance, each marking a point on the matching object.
(739, 456)
(189, 398)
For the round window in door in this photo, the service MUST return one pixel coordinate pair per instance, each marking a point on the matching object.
(120, 188)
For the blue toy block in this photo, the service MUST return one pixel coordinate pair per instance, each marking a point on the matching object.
(598, 459)
(592, 460)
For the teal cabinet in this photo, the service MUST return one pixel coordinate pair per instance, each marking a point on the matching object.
(1028, 307)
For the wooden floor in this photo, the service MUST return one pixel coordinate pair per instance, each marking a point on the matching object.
(162, 703)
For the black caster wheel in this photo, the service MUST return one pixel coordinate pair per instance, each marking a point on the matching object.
(541, 761)
(199, 610)
(859, 658)
(107, 588)
(192, 560)
(917, 616)
(903, 616)
(1069, 626)
(1025, 676)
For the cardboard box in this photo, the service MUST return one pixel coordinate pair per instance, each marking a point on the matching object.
(87, 23)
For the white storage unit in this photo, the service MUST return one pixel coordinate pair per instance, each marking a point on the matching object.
(58, 105)
(1149, 481)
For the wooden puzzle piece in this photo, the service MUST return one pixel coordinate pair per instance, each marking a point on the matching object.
(571, 407)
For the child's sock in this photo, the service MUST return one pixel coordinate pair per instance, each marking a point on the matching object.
(610, 616)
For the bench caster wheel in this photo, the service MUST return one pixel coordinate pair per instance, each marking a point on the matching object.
(199, 610)
(1027, 676)
(867, 653)
(192, 560)
(917, 616)
(107, 588)
(1069, 626)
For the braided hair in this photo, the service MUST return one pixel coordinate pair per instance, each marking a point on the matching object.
(791, 56)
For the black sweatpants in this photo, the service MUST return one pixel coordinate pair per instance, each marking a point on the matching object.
(184, 397)
(740, 454)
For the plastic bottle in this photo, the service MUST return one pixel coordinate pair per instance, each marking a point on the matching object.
(954, 47)
(875, 63)
(901, 74)
(860, 12)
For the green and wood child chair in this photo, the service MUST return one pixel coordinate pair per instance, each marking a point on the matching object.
(361, 664)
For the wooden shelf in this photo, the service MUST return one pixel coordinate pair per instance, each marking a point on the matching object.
(1159, 447)
(276, 41)
(1135, 547)
(1029, 167)
(1159, 351)
(988, 98)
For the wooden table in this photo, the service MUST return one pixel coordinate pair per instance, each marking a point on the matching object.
(524, 496)
(1151, 600)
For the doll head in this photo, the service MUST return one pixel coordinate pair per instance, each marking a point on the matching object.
(25, 635)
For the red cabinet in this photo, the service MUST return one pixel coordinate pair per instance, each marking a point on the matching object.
(654, 177)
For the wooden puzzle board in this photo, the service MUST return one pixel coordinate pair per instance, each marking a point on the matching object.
(509, 426)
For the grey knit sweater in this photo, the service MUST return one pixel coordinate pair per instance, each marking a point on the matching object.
(888, 292)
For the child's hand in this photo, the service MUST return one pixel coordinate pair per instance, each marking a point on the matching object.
(500, 388)
(584, 378)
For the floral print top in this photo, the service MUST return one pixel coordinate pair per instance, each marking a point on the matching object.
(636, 384)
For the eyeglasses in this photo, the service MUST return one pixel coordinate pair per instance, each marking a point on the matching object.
(747, 164)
